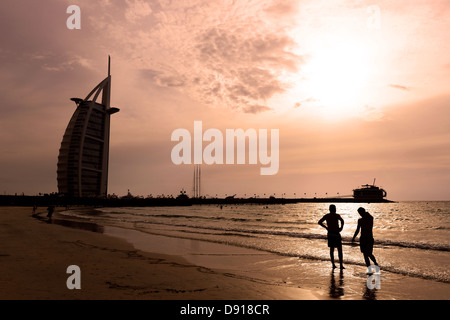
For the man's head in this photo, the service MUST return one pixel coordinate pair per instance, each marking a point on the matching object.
(332, 208)
(361, 211)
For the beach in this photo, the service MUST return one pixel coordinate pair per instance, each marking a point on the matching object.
(35, 255)
(128, 254)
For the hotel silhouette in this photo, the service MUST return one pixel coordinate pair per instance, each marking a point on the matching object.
(84, 153)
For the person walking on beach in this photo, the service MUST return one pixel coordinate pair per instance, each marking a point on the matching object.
(34, 209)
(365, 224)
(334, 237)
(50, 210)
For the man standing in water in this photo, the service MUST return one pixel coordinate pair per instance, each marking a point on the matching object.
(366, 239)
(334, 236)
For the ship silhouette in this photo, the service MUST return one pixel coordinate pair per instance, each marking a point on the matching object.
(369, 193)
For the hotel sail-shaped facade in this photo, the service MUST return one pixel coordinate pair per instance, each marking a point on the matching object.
(84, 153)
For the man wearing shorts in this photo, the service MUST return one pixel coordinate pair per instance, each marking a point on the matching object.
(365, 224)
(334, 237)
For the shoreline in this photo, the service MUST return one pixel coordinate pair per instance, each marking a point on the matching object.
(36, 254)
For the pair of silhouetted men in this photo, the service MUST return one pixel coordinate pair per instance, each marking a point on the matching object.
(365, 224)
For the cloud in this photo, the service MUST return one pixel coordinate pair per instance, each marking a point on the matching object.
(370, 113)
(244, 66)
(241, 45)
(67, 63)
(398, 86)
(136, 10)
(256, 109)
(304, 101)
(223, 54)
(282, 8)
(161, 79)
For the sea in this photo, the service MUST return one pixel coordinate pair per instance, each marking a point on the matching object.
(283, 245)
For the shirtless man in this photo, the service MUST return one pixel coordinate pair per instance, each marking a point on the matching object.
(365, 224)
(334, 236)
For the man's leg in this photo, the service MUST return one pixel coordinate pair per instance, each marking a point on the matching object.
(332, 256)
(366, 259)
(372, 257)
(341, 260)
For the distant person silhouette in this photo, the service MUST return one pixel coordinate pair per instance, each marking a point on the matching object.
(50, 210)
(365, 224)
(334, 236)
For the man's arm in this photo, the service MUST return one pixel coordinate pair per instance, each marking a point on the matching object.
(321, 223)
(342, 223)
(356, 232)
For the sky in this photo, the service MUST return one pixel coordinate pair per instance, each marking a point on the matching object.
(358, 90)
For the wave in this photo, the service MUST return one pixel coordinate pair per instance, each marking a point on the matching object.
(252, 229)
(346, 240)
(175, 216)
(191, 217)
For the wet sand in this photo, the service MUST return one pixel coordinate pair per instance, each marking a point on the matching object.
(35, 254)
(286, 271)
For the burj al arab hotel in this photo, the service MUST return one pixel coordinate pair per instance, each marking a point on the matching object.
(84, 153)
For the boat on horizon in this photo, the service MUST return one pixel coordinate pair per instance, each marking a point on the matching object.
(369, 192)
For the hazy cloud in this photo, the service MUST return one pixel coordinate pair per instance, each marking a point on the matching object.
(282, 8)
(304, 101)
(245, 66)
(398, 86)
(137, 9)
(224, 54)
(370, 113)
(161, 79)
(256, 109)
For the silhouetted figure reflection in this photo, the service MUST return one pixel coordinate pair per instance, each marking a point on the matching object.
(337, 291)
(334, 236)
(369, 294)
(365, 224)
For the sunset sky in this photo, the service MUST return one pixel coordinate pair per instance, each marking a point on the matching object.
(358, 90)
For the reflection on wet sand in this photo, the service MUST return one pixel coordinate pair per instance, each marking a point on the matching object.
(369, 294)
(336, 290)
(89, 226)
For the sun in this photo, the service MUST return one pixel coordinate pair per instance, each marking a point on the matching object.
(335, 78)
